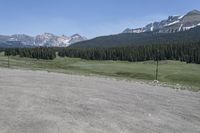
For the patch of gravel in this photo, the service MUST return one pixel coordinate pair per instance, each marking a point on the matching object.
(42, 102)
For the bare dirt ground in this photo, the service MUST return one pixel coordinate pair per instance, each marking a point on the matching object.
(42, 102)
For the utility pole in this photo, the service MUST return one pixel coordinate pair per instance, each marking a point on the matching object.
(157, 69)
(157, 56)
(8, 61)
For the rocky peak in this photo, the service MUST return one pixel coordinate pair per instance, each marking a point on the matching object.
(193, 12)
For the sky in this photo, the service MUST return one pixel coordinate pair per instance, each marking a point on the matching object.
(89, 18)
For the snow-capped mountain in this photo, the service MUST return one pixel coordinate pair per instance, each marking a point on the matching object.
(172, 24)
(46, 39)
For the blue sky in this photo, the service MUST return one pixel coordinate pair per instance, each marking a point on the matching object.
(90, 18)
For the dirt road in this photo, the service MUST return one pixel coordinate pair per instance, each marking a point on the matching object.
(42, 102)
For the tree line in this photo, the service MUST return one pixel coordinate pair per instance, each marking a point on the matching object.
(1, 49)
(38, 53)
(189, 53)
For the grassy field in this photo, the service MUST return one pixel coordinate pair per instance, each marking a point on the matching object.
(170, 72)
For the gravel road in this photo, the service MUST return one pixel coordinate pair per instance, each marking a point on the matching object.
(42, 102)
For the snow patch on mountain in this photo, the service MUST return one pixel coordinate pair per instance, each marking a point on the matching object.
(175, 22)
(152, 27)
(189, 27)
(180, 27)
(180, 17)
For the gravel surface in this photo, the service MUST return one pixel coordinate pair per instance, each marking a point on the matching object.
(42, 102)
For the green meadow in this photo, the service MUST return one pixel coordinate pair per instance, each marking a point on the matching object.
(170, 72)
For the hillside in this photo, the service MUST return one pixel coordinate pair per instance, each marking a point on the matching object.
(131, 39)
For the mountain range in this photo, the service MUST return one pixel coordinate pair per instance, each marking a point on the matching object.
(175, 29)
(46, 39)
(172, 24)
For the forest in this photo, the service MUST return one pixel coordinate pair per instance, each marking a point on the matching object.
(189, 53)
(1, 49)
(38, 53)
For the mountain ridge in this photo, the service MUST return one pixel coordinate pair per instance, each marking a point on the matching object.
(45, 39)
(171, 24)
